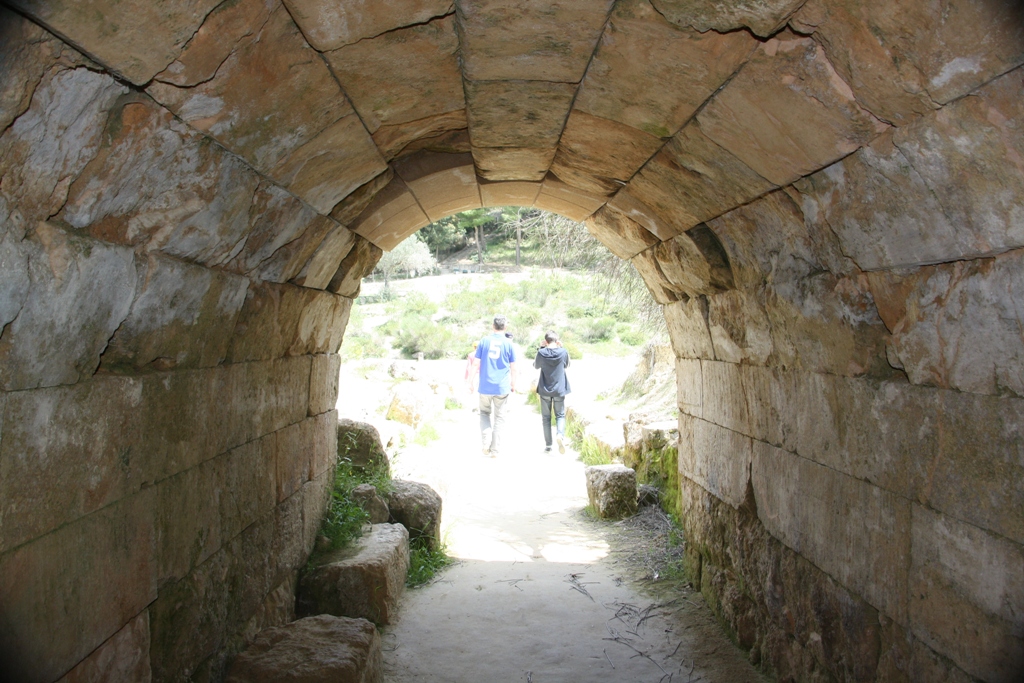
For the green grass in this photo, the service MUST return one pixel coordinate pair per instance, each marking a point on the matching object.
(425, 435)
(592, 452)
(424, 563)
(344, 519)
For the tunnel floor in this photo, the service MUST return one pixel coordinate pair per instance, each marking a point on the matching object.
(540, 591)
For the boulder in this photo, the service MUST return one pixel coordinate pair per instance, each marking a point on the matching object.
(320, 649)
(417, 507)
(658, 436)
(362, 580)
(366, 497)
(359, 443)
(414, 403)
(404, 370)
(612, 490)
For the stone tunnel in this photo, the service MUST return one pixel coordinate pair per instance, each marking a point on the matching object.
(826, 196)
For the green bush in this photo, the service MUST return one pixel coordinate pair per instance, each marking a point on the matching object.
(420, 335)
(426, 434)
(596, 329)
(424, 563)
(630, 335)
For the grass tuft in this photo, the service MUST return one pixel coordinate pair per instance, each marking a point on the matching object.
(424, 563)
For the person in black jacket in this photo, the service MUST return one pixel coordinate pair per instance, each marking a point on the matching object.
(553, 385)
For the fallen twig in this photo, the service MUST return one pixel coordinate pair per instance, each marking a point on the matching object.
(605, 651)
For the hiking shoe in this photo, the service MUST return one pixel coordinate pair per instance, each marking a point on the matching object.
(547, 449)
(561, 445)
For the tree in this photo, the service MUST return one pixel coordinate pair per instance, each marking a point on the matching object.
(444, 236)
(411, 255)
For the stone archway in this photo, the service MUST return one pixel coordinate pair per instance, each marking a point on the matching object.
(825, 195)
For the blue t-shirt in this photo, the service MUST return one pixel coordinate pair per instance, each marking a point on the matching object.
(496, 355)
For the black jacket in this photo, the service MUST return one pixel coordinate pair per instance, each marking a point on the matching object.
(552, 361)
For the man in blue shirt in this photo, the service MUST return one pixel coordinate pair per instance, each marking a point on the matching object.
(497, 359)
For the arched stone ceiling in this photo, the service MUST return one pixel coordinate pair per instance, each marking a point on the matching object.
(644, 117)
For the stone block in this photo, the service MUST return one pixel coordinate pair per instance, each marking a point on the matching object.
(364, 580)
(762, 17)
(317, 649)
(502, 42)
(391, 216)
(441, 182)
(324, 263)
(966, 588)
(413, 403)
(182, 316)
(188, 519)
(509, 193)
(856, 532)
(417, 507)
(693, 179)
(324, 456)
(348, 209)
(529, 164)
(634, 207)
(623, 236)
(957, 325)
(284, 320)
(688, 386)
(294, 457)
(976, 472)
(598, 155)
(739, 327)
(282, 229)
(723, 396)
(158, 184)
(688, 329)
(517, 113)
(78, 291)
(67, 452)
(70, 103)
(248, 487)
(28, 51)
(611, 490)
(65, 594)
(359, 263)
(779, 129)
(135, 41)
(316, 496)
(330, 25)
(447, 132)
(323, 382)
(359, 443)
(366, 497)
(716, 458)
(123, 657)
(649, 74)
(375, 72)
(247, 77)
(966, 46)
(657, 284)
(289, 549)
(561, 206)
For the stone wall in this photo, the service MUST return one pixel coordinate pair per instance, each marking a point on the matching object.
(167, 390)
(851, 407)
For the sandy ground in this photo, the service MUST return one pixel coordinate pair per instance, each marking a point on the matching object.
(540, 591)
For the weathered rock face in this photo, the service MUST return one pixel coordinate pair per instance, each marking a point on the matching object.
(612, 490)
(359, 443)
(417, 507)
(825, 195)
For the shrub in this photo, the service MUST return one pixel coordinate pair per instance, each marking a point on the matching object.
(597, 329)
(630, 335)
(425, 563)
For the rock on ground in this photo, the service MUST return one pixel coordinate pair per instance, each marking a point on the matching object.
(418, 508)
(359, 442)
(366, 496)
(612, 490)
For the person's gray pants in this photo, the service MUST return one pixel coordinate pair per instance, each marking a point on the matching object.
(491, 433)
(549, 404)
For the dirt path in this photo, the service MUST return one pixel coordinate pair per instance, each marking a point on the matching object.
(541, 592)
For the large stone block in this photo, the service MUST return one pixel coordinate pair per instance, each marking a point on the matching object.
(854, 531)
(364, 580)
(716, 458)
(688, 386)
(79, 291)
(898, 70)
(692, 180)
(284, 234)
(357, 264)
(53, 136)
(763, 17)
(323, 383)
(517, 113)
(329, 25)
(182, 316)
(63, 595)
(376, 76)
(157, 184)
(787, 113)
(692, 263)
(739, 327)
(446, 132)
(975, 468)
(533, 40)
(529, 164)
(623, 236)
(957, 325)
(347, 210)
(247, 479)
(135, 41)
(966, 589)
(651, 75)
(248, 76)
(611, 490)
(123, 657)
(319, 649)
(417, 507)
(392, 215)
(442, 183)
(284, 320)
(566, 200)
(599, 155)
(321, 267)
(688, 328)
(188, 520)
(509, 193)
